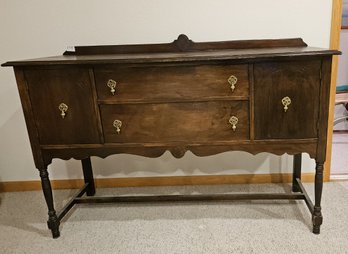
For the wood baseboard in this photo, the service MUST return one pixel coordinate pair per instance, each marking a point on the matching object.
(156, 181)
(340, 178)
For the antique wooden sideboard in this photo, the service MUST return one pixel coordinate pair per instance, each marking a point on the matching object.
(255, 96)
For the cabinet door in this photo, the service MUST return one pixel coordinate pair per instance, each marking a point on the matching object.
(298, 81)
(49, 88)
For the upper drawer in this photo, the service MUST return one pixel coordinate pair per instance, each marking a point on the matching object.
(157, 83)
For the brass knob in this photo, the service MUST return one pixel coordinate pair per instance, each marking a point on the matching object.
(112, 85)
(232, 80)
(117, 124)
(233, 121)
(63, 109)
(286, 101)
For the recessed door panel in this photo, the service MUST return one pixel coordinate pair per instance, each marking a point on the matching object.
(286, 99)
(63, 107)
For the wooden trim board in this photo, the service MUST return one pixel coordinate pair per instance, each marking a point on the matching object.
(339, 178)
(334, 44)
(157, 181)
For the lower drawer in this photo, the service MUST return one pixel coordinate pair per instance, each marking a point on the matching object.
(170, 122)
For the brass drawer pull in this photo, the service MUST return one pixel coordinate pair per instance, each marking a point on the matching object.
(63, 109)
(233, 121)
(112, 85)
(286, 101)
(117, 124)
(232, 80)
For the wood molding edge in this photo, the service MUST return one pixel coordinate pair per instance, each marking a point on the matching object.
(157, 181)
(336, 21)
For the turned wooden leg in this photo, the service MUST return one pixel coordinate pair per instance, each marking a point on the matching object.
(53, 222)
(296, 172)
(88, 176)
(317, 217)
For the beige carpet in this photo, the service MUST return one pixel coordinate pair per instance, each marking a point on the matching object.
(229, 227)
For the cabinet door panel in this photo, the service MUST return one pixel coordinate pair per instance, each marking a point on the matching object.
(300, 81)
(48, 88)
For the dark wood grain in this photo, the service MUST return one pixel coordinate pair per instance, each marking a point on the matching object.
(195, 197)
(183, 43)
(88, 176)
(251, 101)
(317, 217)
(265, 53)
(53, 222)
(324, 96)
(95, 104)
(175, 97)
(171, 82)
(324, 108)
(182, 122)
(297, 167)
(275, 80)
(72, 86)
(29, 118)
(178, 150)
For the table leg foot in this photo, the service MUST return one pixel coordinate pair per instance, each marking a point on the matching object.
(317, 216)
(53, 225)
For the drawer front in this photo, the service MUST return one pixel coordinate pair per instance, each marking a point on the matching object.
(49, 89)
(287, 99)
(171, 82)
(170, 122)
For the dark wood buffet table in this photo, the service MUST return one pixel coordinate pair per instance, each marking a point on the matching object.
(254, 96)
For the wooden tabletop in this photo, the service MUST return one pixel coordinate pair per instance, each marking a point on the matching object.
(181, 50)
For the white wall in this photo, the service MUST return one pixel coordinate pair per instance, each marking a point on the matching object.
(38, 28)
(345, 13)
(342, 77)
